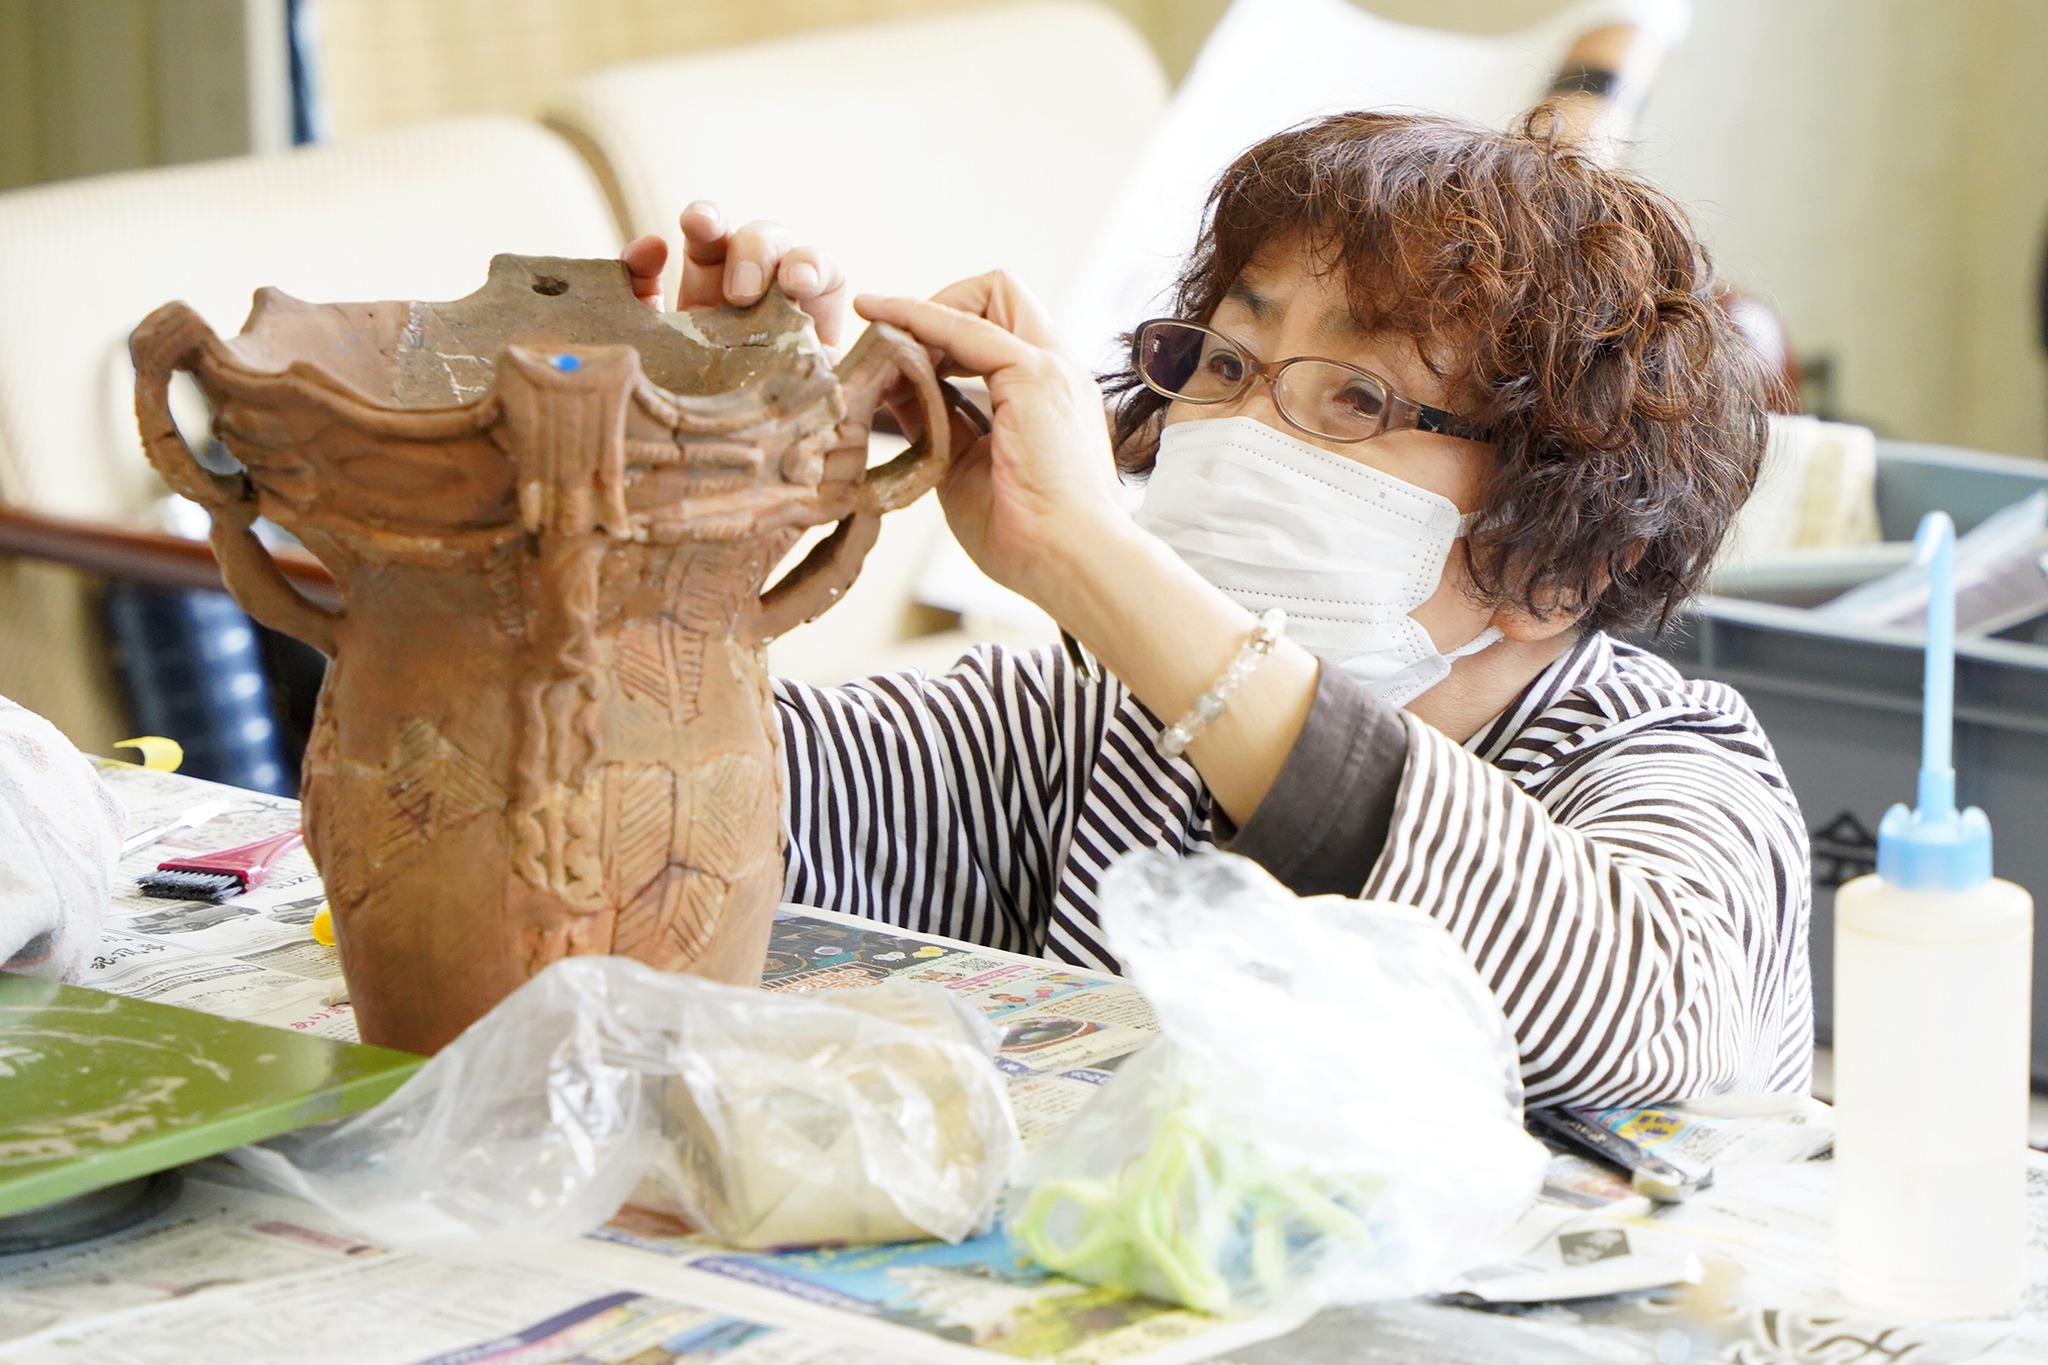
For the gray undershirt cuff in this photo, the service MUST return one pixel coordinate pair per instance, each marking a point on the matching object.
(1322, 826)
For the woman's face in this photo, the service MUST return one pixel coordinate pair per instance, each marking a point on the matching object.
(1280, 308)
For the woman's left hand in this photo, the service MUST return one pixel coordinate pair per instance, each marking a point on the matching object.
(1035, 494)
(724, 264)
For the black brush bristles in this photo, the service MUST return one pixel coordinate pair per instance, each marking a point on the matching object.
(176, 885)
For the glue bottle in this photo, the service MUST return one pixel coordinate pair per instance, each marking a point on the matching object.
(1933, 965)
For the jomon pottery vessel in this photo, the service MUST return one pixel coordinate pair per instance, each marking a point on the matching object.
(551, 512)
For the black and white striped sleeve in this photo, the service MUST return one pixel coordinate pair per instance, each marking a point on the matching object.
(1633, 922)
(936, 803)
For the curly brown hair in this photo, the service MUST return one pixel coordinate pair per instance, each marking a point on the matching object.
(1626, 409)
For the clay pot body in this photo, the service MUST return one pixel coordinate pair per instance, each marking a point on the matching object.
(546, 727)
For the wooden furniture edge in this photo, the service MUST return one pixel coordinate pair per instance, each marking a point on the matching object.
(148, 557)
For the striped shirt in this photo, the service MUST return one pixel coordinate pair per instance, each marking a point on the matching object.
(1619, 853)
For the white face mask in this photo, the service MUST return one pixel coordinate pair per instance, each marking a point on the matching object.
(1346, 550)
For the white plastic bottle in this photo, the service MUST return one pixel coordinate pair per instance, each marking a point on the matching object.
(1933, 970)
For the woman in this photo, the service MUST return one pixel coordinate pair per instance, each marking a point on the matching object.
(1460, 404)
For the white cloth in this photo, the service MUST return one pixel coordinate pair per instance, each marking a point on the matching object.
(60, 834)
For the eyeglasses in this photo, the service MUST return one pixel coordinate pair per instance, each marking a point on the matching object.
(1189, 363)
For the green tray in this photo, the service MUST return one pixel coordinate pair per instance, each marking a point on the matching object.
(98, 1088)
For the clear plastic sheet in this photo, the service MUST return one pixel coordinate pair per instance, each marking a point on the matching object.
(764, 1119)
(1333, 1115)
(2001, 578)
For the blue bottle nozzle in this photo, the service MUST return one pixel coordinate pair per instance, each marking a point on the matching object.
(1936, 847)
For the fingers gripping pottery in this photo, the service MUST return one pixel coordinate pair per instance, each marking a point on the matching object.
(550, 511)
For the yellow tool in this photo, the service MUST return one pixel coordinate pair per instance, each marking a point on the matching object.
(158, 754)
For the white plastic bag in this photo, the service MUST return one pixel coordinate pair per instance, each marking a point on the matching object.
(868, 1115)
(765, 1119)
(1333, 1115)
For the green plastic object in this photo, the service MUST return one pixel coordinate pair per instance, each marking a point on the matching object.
(1202, 1221)
(98, 1088)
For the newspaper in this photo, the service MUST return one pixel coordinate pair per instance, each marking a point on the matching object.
(923, 1300)
(1566, 1254)
(230, 1275)
(212, 1236)
(1591, 1234)
(1061, 1033)
(1764, 1236)
(402, 1310)
(1633, 1329)
(1802, 1131)
(1576, 1241)
(243, 1276)
(251, 957)
(1061, 1030)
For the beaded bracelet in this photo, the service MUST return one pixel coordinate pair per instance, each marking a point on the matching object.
(1175, 738)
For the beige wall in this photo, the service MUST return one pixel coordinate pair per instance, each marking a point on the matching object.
(78, 88)
(89, 86)
(19, 133)
(1880, 169)
(389, 61)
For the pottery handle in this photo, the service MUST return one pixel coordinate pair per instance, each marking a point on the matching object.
(169, 340)
(173, 338)
(884, 357)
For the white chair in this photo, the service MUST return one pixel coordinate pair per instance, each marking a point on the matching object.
(918, 151)
(1270, 64)
(416, 213)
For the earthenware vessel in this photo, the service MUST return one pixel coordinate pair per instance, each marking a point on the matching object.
(550, 511)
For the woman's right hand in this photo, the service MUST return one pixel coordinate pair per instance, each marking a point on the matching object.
(1035, 502)
(735, 265)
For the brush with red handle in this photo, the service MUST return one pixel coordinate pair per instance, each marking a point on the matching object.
(220, 875)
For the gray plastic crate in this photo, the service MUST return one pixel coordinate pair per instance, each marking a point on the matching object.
(1842, 706)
